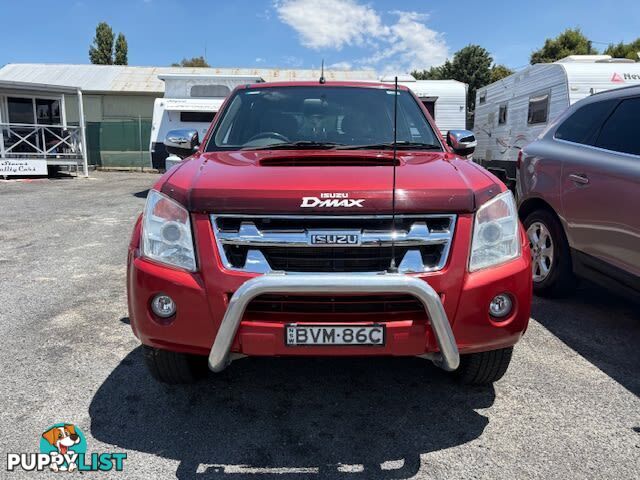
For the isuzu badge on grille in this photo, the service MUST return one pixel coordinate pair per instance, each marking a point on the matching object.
(334, 239)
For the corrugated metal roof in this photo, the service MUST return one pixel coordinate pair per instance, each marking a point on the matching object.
(127, 79)
(33, 87)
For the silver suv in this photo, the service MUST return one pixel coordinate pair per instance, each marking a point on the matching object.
(579, 195)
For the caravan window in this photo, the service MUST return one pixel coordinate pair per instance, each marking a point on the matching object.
(210, 91)
(502, 114)
(538, 109)
(430, 105)
(483, 97)
(197, 117)
(581, 126)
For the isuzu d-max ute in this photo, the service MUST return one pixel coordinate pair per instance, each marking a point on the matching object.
(327, 219)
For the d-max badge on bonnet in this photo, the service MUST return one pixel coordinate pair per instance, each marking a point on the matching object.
(331, 200)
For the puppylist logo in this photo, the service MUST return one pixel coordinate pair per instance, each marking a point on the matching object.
(63, 448)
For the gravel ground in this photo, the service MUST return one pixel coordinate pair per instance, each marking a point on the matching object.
(567, 408)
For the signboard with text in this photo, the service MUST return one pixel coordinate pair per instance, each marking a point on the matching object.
(11, 166)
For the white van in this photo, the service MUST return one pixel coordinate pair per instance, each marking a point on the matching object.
(512, 112)
(446, 100)
(190, 102)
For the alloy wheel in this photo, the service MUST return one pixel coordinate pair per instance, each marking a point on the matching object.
(541, 250)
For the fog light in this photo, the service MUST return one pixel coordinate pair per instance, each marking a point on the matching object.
(163, 306)
(500, 306)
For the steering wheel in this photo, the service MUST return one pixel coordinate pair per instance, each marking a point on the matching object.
(275, 135)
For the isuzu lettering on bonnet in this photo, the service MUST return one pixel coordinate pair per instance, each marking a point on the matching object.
(327, 219)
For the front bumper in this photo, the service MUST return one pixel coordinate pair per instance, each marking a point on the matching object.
(447, 357)
(212, 302)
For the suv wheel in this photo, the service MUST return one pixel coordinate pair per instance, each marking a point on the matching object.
(173, 367)
(485, 367)
(551, 258)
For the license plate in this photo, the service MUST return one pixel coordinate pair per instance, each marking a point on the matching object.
(305, 335)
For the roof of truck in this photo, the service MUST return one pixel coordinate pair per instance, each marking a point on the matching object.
(316, 83)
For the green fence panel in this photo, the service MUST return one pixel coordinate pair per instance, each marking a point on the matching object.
(123, 143)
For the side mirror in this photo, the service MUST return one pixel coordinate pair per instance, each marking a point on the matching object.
(463, 142)
(182, 142)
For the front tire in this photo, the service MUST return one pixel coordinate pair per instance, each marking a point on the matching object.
(173, 367)
(484, 368)
(551, 258)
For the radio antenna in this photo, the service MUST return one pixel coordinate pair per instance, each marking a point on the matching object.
(392, 266)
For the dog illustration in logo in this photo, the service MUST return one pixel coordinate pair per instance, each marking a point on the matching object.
(62, 438)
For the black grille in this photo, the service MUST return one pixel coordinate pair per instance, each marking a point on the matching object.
(331, 259)
(363, 304)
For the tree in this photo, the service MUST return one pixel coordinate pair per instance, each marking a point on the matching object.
(442, 72)
(471, 65)
(624, 50)
(192, 62)
(569, 42)
(498, 72)
(121, 49)
(101, 52)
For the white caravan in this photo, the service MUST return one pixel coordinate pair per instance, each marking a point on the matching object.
(512, 112)
(446, 100)
(190, 101)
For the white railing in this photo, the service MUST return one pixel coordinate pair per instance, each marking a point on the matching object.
(40, 141)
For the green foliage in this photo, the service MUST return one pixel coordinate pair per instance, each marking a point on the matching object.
(569, 42)
(471, 65)
(101, 51)
(192, 62)
(625, 50)
(442, 72)
(498, 72)
(121, 49)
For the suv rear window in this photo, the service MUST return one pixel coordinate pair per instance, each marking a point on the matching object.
(621, 132)
(581, 126)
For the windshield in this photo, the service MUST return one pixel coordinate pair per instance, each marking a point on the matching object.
(321, 117)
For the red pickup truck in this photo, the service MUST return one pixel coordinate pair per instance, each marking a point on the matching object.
(327, 219)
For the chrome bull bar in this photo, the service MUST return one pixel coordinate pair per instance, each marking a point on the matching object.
(447, 358)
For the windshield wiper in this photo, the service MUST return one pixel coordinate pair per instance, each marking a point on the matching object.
(400, 145)
(295, 145)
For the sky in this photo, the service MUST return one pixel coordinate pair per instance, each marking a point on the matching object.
(394, 36)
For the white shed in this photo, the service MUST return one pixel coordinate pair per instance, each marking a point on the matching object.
(34, 131)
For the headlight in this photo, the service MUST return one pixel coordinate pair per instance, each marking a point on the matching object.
(496, 237)
(166, 232)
